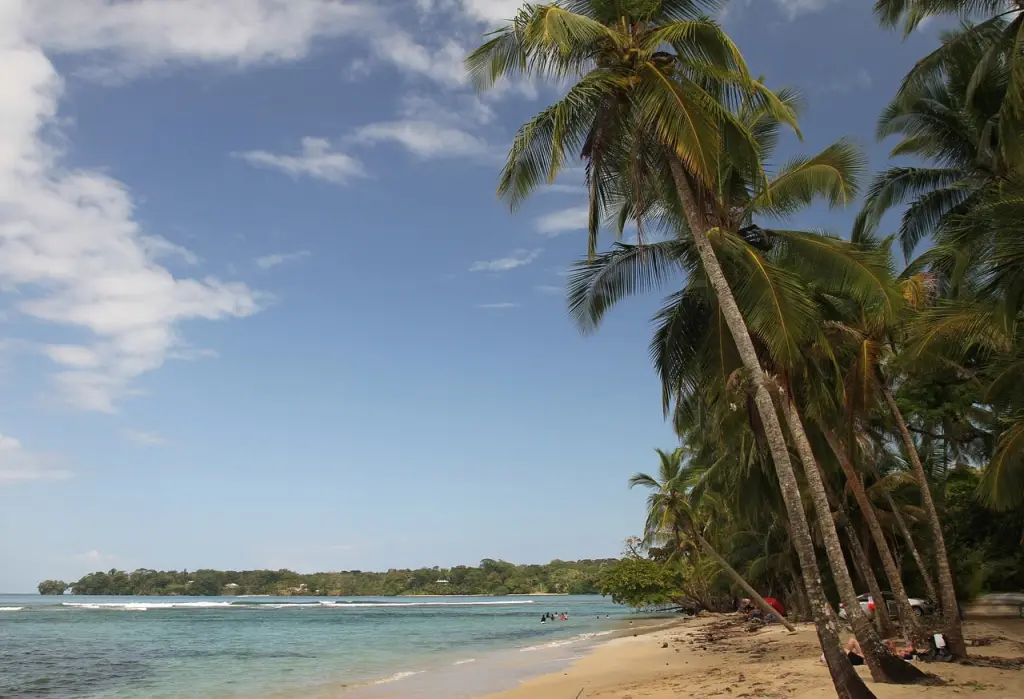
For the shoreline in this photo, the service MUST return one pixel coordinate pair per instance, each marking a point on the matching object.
(717, 655)
(484, 673)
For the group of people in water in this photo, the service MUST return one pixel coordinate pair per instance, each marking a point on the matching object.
(548, 616)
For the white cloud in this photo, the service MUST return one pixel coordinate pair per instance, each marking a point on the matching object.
(564, 221)
(317, 160)
(150, 439)
(18, 465)
(561, 189)
(132, 36)
(550, 289)
(860, 80)
(518, 258)
(123, 39)
(497, 306)
(442, 65)
(270, 261)
(426, 139)
(794, 8)
(491, 12)
(68, 238)
(94, 558)
(466, 110)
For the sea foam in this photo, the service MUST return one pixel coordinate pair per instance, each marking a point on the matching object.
(566, 641)
(144, 606)
(398, 676)
(329, 604)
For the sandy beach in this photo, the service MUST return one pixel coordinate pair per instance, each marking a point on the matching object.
(717, 656)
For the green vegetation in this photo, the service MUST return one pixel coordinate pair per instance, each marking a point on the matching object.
(490, 578)
(52, 587)
(834, 406)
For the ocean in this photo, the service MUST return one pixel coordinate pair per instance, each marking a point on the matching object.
(281, 648)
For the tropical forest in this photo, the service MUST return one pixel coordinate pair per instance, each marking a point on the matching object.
(849, 404)
(491, 577)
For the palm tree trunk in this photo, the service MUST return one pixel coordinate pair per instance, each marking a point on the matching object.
(800, 593)
(863, 565)
(910, 625)
(765, 607)
(918, 559)
(947, 593)
(848, 683)
(884, 665)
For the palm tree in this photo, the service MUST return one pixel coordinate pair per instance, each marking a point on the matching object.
(656, 92)
(867, 510)
(870, 338)
(988, 327)
(997, 36)
(963, 145)
(674, 512)
(771, 271)
(890, 473)
(956, 118)
(960, 115)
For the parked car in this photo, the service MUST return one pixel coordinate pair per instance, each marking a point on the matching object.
(867, 603)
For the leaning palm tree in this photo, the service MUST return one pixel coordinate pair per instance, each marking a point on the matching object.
(955, 119)
(643, 112)
(675, 512)
(993, 29)
(773, 273)
(656, 88)
(866, 340)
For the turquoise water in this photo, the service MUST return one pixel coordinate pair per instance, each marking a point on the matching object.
(176, 647)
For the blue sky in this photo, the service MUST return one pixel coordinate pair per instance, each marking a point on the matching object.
(261, 307)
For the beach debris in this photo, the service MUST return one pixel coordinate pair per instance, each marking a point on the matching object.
(991, 661)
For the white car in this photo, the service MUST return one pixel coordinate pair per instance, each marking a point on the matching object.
(867, 603)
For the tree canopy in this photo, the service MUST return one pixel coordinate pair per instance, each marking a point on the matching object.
(491, 577)
(834, 403)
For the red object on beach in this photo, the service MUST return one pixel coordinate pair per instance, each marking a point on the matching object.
(776, 605)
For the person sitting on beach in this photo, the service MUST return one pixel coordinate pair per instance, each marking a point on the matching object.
(907, 652)
(853, 652)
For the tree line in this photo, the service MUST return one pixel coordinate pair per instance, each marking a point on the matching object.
(491, 577)
(844, 403)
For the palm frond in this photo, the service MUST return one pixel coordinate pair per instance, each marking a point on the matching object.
(1002, 485)
(595, 286)
(833, 175)
(541, 145)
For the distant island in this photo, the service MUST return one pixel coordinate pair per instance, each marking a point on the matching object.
(492, 578)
